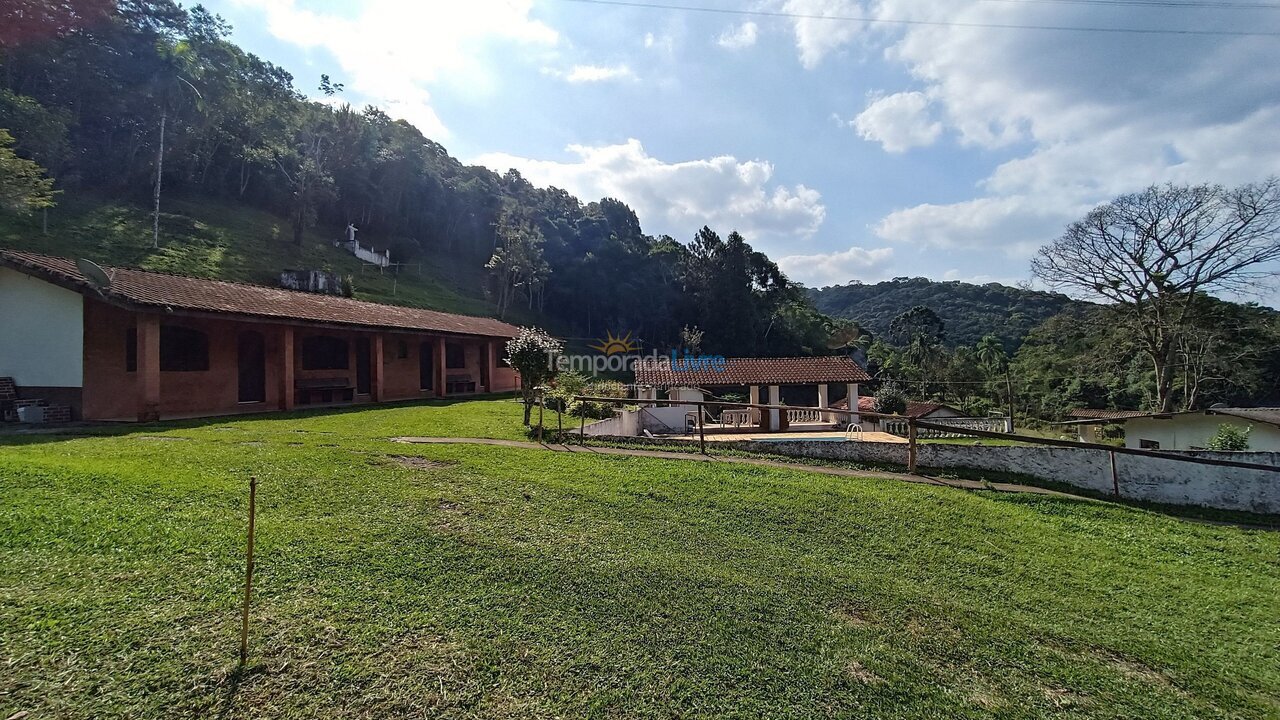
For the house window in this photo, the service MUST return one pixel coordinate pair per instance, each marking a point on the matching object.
(182, 349)
(1149, 444)
(402, 350)
(455, 357)
(131, 350)
(324, 352)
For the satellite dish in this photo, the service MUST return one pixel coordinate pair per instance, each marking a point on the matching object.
(94, 274)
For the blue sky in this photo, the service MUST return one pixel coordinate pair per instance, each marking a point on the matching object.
(846, 150)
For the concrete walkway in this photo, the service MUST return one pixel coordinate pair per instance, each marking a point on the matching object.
(758, 462)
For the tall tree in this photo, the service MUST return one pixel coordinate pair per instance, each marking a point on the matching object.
(517, 264)
(23, 185)
(1153, 255)
(995, 361)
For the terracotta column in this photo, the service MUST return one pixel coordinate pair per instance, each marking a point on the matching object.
(377, 374)
(441, 390)
(491, 371)
(285, 391)
(148, 390)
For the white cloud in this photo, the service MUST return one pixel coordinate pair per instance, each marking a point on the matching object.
(1082, 117)
(677, 198)
(392, 51)
(592, 73)
(898, 122)
(837, 268)
(815, 38)
(736, 37)
(665, 43)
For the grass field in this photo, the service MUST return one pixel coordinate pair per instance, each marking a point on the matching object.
(466, 581)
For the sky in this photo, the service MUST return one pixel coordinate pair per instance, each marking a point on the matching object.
(910, 138)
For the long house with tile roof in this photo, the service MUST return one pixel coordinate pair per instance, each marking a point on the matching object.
(148, 345)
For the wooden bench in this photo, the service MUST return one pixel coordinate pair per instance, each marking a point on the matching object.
(309, 388)
(456, 384)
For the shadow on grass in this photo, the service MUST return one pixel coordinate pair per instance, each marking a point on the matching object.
(235, 679)
(17, 435)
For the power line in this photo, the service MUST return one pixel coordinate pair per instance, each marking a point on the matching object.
(1175, 4)
(925, 23)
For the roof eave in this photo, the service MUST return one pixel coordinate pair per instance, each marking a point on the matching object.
(115, 299)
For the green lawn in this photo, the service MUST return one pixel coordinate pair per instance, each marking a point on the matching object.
(466, 581)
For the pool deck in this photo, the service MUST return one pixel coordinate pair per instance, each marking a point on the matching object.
(797, 435)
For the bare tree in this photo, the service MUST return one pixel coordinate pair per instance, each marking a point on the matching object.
(1153, 254)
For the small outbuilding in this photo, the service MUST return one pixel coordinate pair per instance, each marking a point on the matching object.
(1189, 430)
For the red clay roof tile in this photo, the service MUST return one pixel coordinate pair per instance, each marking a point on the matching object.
(139, 288)
(753, 371)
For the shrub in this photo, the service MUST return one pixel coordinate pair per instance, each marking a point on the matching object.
(1230, 437)
(600, 410)
(890, 399)
(563, 388)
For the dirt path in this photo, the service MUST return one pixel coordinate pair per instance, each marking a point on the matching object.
(759, 462)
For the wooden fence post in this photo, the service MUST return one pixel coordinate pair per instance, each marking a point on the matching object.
(1115, 476)
(248, 573)
(911, 446)
(702, 433)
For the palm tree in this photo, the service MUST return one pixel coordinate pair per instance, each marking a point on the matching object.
(991, 354)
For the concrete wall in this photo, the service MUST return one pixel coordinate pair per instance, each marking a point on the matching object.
(630, 423)
(41, 332)
(1140, 478)
(1188, 432)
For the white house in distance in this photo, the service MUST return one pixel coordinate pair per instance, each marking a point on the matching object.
(1191, 430)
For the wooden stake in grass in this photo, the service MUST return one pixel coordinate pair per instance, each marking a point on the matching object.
(248, 573)
(911, 446)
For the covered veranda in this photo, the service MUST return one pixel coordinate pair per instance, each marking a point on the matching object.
(814, 382)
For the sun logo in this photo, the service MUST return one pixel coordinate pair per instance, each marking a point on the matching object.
(613, 345)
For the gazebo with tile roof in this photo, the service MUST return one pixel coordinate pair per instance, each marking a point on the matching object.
(682, 379)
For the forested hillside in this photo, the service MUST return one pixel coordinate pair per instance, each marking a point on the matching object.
(969, 311)
(110, 97)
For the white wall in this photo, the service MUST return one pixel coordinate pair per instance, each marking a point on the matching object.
(1185, 432)
(41, 332)
(1140, 478)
